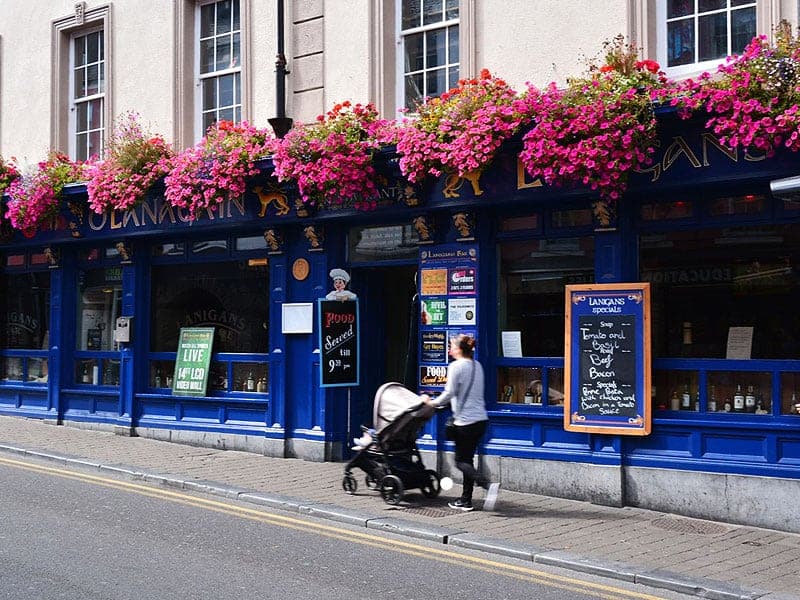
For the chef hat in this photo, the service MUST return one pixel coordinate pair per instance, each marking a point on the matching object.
(340, 274)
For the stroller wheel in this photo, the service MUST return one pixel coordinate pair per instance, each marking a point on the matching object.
(349, 484)
(392, 489)
(370, 482)
(432, 488)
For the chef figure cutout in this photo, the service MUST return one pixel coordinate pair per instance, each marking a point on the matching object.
(340, 281)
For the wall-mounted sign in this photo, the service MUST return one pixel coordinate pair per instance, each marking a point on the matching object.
(339, 344)
(300, 269)
(607, 358)
(462, 311)
(433, 311)
(192, 361)
(434, 347)
(462, 281)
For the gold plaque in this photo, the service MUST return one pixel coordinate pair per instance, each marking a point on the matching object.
(300, 269)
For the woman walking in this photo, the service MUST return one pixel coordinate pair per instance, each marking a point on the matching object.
(464, 391)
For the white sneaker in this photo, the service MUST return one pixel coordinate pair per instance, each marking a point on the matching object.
(491, 496)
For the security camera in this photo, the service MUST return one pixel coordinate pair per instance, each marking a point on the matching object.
(787, 188)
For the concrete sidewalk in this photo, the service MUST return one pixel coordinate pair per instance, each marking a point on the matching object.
(703, 558)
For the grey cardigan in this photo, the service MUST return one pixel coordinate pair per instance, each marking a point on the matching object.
(473, 407)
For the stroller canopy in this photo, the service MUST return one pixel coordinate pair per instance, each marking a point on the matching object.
(391, 401)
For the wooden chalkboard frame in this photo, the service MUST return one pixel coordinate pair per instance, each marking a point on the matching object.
(353, 344)
(615, 300)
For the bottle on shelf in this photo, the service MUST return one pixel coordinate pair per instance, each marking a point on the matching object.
(250, 384)
(168, 381)
(738, 399)
(750, 400)
(674, 401)
(686, 398)
(261, 386)
(158, 378)
(85, 377)
(712, 400)
(95, 374)
(696, 405)
(794, 407)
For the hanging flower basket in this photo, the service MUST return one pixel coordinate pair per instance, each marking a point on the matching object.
(331, 160)
(135, 160)
(35, 199)
(205, 175)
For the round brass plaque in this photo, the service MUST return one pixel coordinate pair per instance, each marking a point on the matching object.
(300, 269)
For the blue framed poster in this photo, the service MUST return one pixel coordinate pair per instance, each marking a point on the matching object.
(607, 358)
(448, 293)
(338, 343)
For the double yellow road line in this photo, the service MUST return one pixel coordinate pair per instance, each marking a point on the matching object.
(519, 572)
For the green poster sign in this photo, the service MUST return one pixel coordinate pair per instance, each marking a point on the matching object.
(192, 361)
(434, 311)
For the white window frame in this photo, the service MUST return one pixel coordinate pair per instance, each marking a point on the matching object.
(74, 102)
(400, 85)
(236, 70)
(696, 67)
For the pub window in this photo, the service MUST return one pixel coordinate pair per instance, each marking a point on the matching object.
(386, 242)
(24, 326)
(713, 287)
(429, 59)
(665, 211)
(531, 282)
(99, 305)
(230, 296)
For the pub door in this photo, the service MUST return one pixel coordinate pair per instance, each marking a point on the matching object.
(389, 318)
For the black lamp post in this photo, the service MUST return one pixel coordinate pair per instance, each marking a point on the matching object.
(281, 124)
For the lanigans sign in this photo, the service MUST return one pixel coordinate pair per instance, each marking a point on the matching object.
(339, 344)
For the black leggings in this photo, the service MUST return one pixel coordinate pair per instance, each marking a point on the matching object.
(467, 439)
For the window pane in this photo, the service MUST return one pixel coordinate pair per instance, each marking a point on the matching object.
(92, 47)
(25, 311)
(101, 77)
(209, 119)
(80, 83)
(226, 90)
(519, 223)
(236, 56)
(80, 51)
(226, 114)
(229, 296)
(452, 77)
(436, 82)
(706, 5)
(99, 305)
(452, 36)
(223, 17)
(414, 90)
(81, 152)
(169, 249)
(95, 147)
(236, 18)
(452, 9)
(713, 37)
(435, 48)
(251, 243)
(680, 40)
(411, 13)
(704, 282)
(431, 11)
(207, 56)
(414, 57)
(679, 8)
(530, 285)
(94, 114)
(206, 20)
(743, 29)
(209, 93)
(223, 53)
(92, 80)
(210, 247)
(237, 114)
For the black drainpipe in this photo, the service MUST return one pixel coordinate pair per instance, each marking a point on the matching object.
(280, 123)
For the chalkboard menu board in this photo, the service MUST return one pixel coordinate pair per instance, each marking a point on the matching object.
(607, 358)
(339, 346)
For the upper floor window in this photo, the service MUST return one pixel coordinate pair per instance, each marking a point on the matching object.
(695, 35)
(87, 93)
(219, 62)
(428, 63)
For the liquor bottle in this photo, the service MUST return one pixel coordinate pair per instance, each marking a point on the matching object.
(251, 383)
(85, 378)
(696, 406)
(261, 386)
(674, 402)
(738, 399)
(793, 405)
(686, 398)
(750, 400)
(95, 374)
(712, 401)
(158, 378)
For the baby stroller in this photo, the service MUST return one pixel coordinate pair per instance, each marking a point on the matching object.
(391, 461)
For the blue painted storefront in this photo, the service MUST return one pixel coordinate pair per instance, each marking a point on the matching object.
(697, 462)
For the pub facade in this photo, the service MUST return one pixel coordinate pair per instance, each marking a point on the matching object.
(94, 306)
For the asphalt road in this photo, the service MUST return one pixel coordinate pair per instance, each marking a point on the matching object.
(70, 535)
